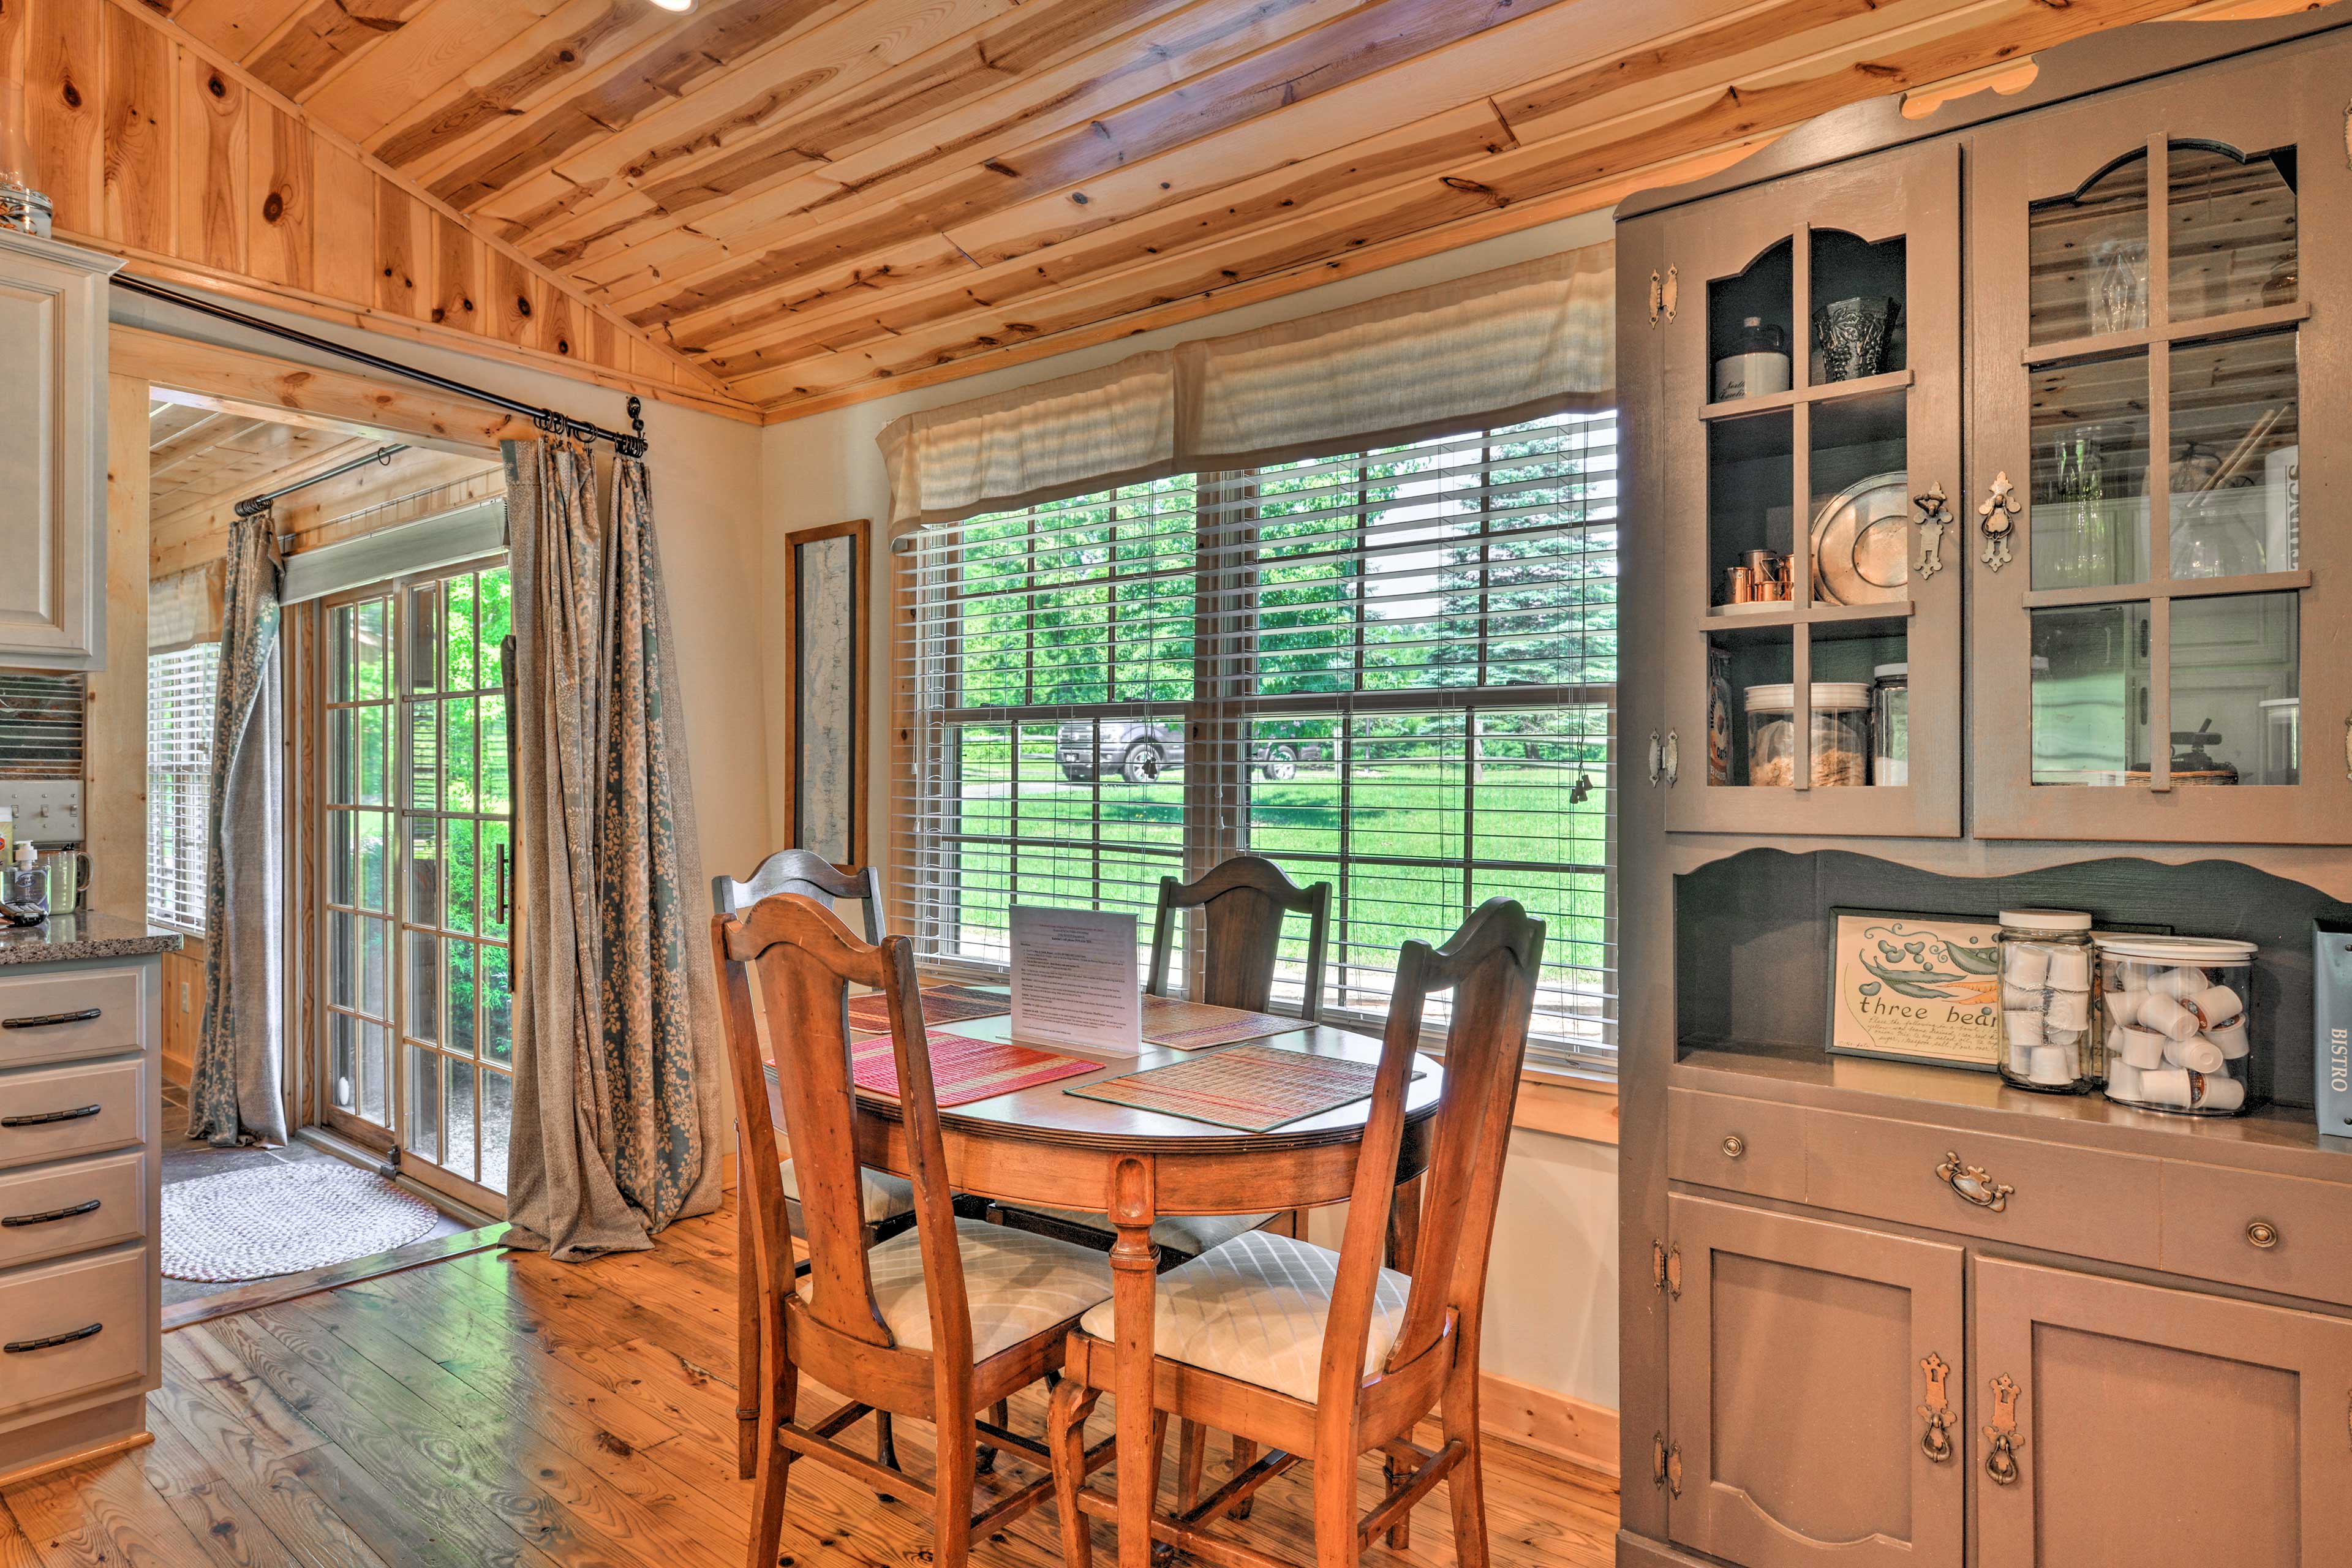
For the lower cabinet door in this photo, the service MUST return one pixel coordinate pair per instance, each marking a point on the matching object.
(2123, 1425)
(1814, 1383)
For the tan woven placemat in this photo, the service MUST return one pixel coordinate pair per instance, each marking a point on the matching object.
(1255, 1088)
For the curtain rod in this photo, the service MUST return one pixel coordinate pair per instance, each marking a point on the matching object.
(254, 506)
(547, 419)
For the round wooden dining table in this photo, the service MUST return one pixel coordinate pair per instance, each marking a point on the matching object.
(1044, 1147)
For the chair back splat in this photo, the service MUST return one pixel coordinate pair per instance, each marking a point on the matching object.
(1244, 901)
(1490, 966)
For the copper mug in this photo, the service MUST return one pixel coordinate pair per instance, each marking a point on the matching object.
(1739, 585)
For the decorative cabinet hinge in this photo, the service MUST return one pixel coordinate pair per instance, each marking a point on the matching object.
(2001, 1436)
(1670, 1273)
(1658, 1459)
(1675, 1470)
(1674, 287)
(1657, 298)
(1935, 1440)
(1657, 1265)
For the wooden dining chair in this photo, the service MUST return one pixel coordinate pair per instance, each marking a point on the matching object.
(1244, 901)
(935, 1322)
(1329, 1356)
(886, 1201)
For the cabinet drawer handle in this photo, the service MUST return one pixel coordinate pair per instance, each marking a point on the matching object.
(46, 1117)
(2263, 1234)
(1734, 1146)
(1973, 1184)
(46, 1020)
(18, 1347)
(13, 1221)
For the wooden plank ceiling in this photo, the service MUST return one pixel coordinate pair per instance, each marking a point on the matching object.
(816, 201)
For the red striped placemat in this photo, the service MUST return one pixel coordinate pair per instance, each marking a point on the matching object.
(1196, 1025)
(964, 1070)
(871, 1014)
(1254, 1087)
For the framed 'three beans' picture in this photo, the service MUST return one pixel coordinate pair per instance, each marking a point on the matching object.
(826, 578)
(1915, 988)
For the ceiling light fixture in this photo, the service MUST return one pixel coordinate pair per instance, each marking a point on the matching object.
(675, 4)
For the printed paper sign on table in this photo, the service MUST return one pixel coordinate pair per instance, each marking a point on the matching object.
(1075, 980)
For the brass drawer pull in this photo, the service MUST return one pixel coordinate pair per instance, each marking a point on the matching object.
(87, 1016)
(1973, 1184)
(18, 1347)
(46, 1117)
(1734, 1146)
(2263, 1234)
(14, 1220)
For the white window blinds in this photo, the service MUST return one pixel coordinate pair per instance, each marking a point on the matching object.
(1389, 669)
(180, 687)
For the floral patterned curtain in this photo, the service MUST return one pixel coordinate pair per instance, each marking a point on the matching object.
(234, 1090)
(617, 1124)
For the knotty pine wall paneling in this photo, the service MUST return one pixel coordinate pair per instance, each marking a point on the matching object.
(154, 144)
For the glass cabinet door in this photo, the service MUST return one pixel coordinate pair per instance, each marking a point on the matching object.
(1810, 445)
(2151, 319)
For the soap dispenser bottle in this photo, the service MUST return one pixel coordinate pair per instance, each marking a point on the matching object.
(27, 884)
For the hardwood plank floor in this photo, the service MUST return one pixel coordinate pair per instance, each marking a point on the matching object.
(501, 1409)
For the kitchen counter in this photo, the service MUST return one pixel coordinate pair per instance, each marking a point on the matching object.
(63, 939)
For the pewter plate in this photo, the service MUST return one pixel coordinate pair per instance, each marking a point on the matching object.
(1862, 543)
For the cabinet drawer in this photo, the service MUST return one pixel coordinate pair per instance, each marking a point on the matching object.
(2209, 1220)
(48, 1017)
(1745, 1145)
(57, 1299)
(118, 1091)
(2083, 1201)
(48, 1211)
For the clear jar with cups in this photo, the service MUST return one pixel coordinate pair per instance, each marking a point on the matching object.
(2175, 1023)
(2047, 994)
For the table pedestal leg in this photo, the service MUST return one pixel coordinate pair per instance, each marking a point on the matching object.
(1134, 1272)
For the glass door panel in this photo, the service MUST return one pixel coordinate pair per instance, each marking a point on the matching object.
(2152, 648)
(418, 808)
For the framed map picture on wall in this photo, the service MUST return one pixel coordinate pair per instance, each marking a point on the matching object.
(826, 578)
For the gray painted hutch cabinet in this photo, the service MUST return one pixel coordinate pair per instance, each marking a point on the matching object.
(1987, 542)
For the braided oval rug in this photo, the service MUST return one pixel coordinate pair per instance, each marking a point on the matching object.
(283, 1220)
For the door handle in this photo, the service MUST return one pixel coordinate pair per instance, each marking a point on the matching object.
(13, 1221)
(48, 1020)
(18, 1347)
(46, 1117)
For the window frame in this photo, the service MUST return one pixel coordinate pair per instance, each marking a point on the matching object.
(194, 797)
(1217, 725)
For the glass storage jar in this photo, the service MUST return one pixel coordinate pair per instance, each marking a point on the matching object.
(2048, 994)
(2175, 1023)
(1890, 724)
(1841, 733)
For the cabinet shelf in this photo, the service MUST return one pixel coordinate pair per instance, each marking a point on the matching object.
(1825, 392)
(1723, 618)
(2199, 329)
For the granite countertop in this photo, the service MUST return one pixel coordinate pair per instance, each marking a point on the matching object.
(62, 939)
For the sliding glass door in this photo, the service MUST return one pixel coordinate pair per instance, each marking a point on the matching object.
(415, 811)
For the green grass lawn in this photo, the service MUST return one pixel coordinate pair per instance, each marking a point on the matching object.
(1403, 807)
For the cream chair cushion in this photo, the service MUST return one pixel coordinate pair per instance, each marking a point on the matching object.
(1191, 1233)
(1254, 1309)
(1018, 1284)
(880, 1195)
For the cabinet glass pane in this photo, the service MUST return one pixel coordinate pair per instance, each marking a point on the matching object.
(2235, 707)
(2232, 231)
(2089, 437)
(1856, 316)
(1751, 327)
(1860, 511)
(2090, 695)
(2088, 255)
(1750, 489)
(2236, 457)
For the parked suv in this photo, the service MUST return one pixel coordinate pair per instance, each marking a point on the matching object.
(1140, 751)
